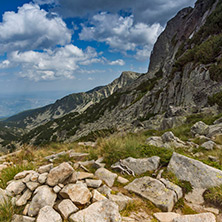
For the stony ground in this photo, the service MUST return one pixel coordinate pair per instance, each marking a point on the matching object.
(69, 186)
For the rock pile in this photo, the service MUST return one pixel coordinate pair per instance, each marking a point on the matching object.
(52, 193)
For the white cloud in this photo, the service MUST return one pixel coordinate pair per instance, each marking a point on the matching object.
(120, 33)
(119, 62)
(62, 62)
(32, 28)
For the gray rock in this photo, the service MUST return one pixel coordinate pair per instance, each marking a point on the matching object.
(20, 218)
(23, 174)
(107, 176)
(24, 198)
(93, 183)
(104, 190)
(140, 166)
(32, 185)
(209, 145)
(59, 174)
(44, 196)
(66, 208)
(214, 130)
(155, 141)
(120, 199)
(122, 180)
(42, 178)
(200, 128)
(78, 193)
(155, 191)
(45, 168)
(204, 217)
(166, 216)
(197, 173)
(15, 187)
(170, 140)
(101, 211)
(48, 214)
(218, 121)
(97, 196)
(196, 196)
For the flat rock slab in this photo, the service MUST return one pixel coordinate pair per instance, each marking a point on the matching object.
(66, 208)
(197, 173)
(101, 211)
(107, 176)
(204, 217)
(154, 191)
(140, 166)
(166, 217)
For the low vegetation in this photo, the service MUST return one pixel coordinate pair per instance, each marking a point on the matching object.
(214, 196)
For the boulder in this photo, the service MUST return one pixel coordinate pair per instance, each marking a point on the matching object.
(166, 216)
(204, 217)
(209, 145)
(139, 166)
(45, 168)
(170, 140)
(154, 191)
(48, 214)
(24, 198)
(122, 180)
(20, 218)
(107, 176)
(97, 196)
(32, 185)
(200, 128)
(78, 193)
(59, 174)
(44, 196)
(93, 183)
(23, 174)
(101, 211)
(196, 196)
(104, 190)
(66, 208)
(197, 173)
(214, 130)
(120, 199)
(155, 141)
(15, 187)
(42, 178)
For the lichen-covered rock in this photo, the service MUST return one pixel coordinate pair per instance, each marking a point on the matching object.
(120, 199)
(197, 173)
(107, 176)
(24, 198)
(15, 187)
(44, 196)
(97, 196)
(200, 128)
(20, 218)
(45, 168)
(155, 191)
(59, 174)
(93, 183)
(78, 193)
(140, 166)
(48, 214)
(166, 216)
(101, 211)
(66, 208)
(204, 217)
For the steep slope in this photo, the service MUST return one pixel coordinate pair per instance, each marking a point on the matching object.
(77, 102)
(185, 72)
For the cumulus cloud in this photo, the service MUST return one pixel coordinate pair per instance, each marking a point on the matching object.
(119, 62)
(32, 28)
(50, 64)
(120, 33)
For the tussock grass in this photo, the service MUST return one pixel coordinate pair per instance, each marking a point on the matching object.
(7, 210)
(214, 196)
(8, 173)
(185, 209)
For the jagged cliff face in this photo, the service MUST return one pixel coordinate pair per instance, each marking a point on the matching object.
(75, 103)
(185, 71)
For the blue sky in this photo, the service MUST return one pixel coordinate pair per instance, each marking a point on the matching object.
(71, 45)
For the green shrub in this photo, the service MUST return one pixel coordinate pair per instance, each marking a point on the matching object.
(164, 153)
(215, 99)
(214, 196)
